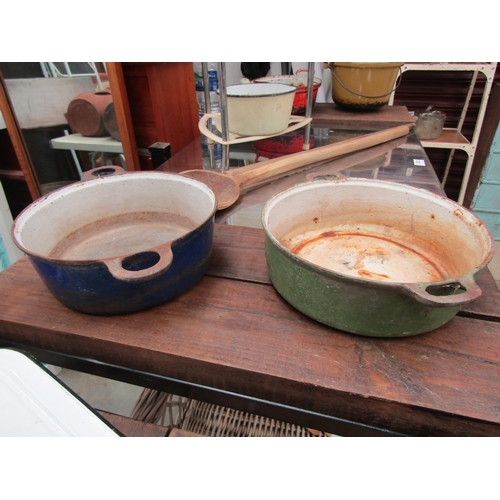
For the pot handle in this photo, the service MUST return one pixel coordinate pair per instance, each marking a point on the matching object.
(455, 292)
(141, 266)
(316, 80)
(104, 171)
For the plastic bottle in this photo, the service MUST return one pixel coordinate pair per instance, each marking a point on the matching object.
(213, 80)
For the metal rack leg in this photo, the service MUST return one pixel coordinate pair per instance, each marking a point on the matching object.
(224, 116)
(310, 85)
(465, 179)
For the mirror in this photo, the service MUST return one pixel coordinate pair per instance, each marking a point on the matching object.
(34, 99)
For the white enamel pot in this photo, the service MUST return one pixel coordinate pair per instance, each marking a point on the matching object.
(262, 109)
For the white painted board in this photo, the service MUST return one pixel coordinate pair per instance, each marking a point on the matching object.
(42, 102)
(35, 404)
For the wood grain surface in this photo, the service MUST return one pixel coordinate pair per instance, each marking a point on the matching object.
(232, 331)
(330, 114)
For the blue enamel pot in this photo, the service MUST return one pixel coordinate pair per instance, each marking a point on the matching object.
(119, 243)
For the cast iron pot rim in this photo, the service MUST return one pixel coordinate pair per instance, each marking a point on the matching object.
(84, 184)
(403, 287)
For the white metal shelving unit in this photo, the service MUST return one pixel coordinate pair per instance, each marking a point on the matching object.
(69, 70)
(452, 138)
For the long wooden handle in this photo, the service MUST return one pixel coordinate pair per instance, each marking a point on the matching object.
(256, 173)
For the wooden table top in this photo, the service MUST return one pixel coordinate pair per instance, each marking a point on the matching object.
(232, 331)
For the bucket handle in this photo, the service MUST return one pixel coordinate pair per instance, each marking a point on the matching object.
(398, 83)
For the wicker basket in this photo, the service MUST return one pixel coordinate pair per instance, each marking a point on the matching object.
(160, 408)
(217, 421)
(211, 420)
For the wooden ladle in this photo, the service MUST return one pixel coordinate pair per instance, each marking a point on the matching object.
(227, 186)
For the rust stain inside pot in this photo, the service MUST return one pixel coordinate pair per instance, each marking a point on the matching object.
(365, 255)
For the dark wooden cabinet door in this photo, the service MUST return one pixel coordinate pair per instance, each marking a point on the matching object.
(162, 101)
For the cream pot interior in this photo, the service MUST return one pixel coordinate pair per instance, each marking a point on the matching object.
(114, 215)
(376, 230)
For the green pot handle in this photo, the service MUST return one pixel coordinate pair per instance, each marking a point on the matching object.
(455, 292)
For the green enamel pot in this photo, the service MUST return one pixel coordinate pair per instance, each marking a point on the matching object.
(374, 258)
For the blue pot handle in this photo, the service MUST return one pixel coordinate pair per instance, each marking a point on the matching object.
(141, 266)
